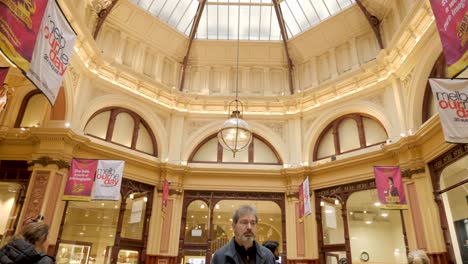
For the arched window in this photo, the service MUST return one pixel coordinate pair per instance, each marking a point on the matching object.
(258, 152)
(439, 70)
(33, 110)
(349, 133)
(123, 127)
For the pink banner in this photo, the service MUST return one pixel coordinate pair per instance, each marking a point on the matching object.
(390, 187)
(80, 180)
(452, 22)
(301, 201)
(19, 26)
(165, 195)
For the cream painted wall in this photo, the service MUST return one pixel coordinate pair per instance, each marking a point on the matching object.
(7, 200)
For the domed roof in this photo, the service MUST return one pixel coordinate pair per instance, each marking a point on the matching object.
(258, 18)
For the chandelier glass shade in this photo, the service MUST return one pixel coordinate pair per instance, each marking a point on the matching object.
(235, 134)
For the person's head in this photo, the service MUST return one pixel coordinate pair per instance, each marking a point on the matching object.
(273, 247)
(418, 257)
(390, 180)
(36, 233)
(244, 224)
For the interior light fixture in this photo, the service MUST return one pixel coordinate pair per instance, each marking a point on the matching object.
(235, 134)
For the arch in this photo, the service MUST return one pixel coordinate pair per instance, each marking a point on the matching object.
(24, 105)
(322, 121)
(154, 122)
(420, 74)
(250, 148)
(212, 128)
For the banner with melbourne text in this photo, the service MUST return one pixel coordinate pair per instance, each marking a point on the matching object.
(390, 187)
(80, 180)
(451, 17)
(108, 180)
(52, 51)
(451, 97)
(36, 36)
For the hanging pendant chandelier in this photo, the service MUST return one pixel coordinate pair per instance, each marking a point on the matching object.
(235, 134)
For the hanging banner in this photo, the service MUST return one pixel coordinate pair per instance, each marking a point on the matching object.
(451, 97)
(52, 51)
(165, 195)
(3, 88)
(108, 180)
(451, 17)
(80, 180)
(36, 36)
(390, 187)
(301, 202)
(305, 185)
(20, 23)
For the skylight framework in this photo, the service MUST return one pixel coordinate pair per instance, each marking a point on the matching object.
(258, 21)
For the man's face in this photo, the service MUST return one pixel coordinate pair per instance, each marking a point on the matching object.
(245, 229)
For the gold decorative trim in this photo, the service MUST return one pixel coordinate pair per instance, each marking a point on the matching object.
(410, 172)
(45, 160)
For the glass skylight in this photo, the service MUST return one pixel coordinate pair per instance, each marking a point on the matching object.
(258, 19)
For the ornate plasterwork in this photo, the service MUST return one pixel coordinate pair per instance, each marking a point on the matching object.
(376, 98)
(44, 161)
(36, 199)
(195, 125)
(277, 128)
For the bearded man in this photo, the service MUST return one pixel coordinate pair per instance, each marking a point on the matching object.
(243, 249)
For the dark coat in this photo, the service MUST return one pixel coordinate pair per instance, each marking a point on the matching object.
(20, 251)
(228, 254)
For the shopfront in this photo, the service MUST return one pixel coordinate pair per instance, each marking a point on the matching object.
(14, 180)
(351, 225)
(107, 231)
(207, 219)
(449, 174)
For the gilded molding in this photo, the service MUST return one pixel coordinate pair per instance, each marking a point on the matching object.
(408, 173)
(45, 160)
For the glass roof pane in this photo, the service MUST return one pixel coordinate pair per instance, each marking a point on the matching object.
(258, 19)
(223, 20)
(265, 22)
(255, 22)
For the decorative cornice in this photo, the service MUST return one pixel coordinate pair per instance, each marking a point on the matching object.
(45, 160)
(410, 172)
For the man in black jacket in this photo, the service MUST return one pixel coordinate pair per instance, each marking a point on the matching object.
(243, 249)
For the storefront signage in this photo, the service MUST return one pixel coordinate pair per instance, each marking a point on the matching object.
(137, 210)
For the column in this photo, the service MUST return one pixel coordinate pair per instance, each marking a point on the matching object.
(176, 134)
(295, 141)
(354, 54)
(43, 195)
(399, 104)
(139, 59)
(266, 81)
(159, 67)
(332, 61)
(120, 48)
(313, 71)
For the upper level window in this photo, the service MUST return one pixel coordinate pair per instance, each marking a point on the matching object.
(439, 70)
(123, 127)
(33, 110)
(258, 152)
(348, 133)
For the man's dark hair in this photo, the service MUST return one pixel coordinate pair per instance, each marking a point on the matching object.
(271, 245)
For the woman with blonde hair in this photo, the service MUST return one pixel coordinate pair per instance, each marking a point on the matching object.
(28, 246)
(418, 257)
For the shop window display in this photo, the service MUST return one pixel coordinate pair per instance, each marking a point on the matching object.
(9, 196)
(456, 206)
(368, 224)
(88, 232)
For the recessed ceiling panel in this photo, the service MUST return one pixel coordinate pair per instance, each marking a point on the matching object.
(258, 20)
